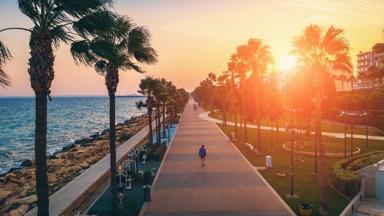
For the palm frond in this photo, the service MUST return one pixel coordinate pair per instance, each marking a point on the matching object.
(95, 24)
(101, 67)
(79, 8)
(334, 41)
(4, 56)
(139, 45)
(129, 65)
(4, 53)
(60, 34)
(30, 9)
(106, 50)
(82, 53)
(4, 78)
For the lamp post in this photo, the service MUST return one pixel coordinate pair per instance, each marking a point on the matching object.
(366, 128)
(351, 124)
(343, 114)
(292, 131)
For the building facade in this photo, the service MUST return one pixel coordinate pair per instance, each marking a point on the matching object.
(367, 62)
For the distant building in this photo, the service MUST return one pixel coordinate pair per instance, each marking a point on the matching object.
(365, 62)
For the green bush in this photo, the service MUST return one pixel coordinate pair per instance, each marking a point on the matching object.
(147, 178)
(129, 208)
(157, 152)
(344, 177)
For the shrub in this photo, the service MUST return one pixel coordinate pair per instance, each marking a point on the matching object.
(147, 178)
(344, 177)
(129, 208)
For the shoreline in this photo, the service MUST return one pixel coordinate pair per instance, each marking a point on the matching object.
(25, 163)
(17, 187)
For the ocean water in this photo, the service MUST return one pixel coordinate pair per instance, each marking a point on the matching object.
(69, 119)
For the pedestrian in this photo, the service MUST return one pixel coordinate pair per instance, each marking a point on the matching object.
(202, 155)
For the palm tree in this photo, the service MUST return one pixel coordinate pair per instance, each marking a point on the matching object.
(259, 58)
(239, 67)
(342, 78)
(223, 92)
(159, 94)
(52, 24)
(323, 53)
(233, 91)
(164, 100)
(4, 56)
(147, 86)
(211, 80)
(121, 47)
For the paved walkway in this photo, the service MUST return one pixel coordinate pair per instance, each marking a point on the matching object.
(205, 116)
(228, 185)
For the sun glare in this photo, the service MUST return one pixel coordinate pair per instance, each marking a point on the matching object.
(286, 63)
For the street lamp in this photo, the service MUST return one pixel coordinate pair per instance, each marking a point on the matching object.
(349, 115)
(293, 131)
(366, 128)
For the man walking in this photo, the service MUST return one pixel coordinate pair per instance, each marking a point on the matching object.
(202, 155)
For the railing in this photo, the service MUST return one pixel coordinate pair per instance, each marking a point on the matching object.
(355, 202)
(70, 197)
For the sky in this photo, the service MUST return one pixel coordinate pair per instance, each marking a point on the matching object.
(193, 38)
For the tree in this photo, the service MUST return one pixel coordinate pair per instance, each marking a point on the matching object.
(52, 25)
(223, 91)
(211, 88)
(122, 47)
(323, 53)
(259, 58)
(239, 67)
(274, 106)
(342, 78)
(4, 56)
(147, 88)
(234, 99)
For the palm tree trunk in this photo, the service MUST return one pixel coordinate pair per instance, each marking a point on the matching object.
(224, 115)
(156, 127)
(323, 174)
(271, 146)
(235, 117)
(164, 120)
(112, 150)
(258, 134)
(41, 153)
(244, 119)
(258, 115)
(41, 75)
(159, 125)
(150, 136)
(277, 130)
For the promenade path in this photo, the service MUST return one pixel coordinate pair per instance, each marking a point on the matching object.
(228, 185)
(205, 116)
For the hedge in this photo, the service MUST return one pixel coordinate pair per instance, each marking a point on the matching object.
(344, 177)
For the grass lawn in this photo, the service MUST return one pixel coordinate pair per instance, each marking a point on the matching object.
(327, 126)
(306, 185)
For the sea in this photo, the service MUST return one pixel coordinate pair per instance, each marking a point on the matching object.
(69, 119)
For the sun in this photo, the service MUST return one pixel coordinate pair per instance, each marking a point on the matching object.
(286, 63)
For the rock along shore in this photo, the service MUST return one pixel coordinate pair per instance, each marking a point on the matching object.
(17, 188)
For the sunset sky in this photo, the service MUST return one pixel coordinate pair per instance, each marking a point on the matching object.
(196, 37)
